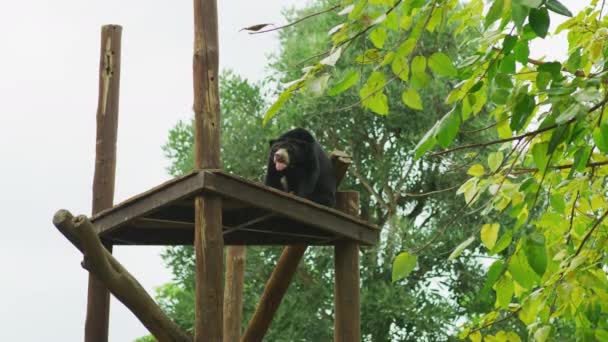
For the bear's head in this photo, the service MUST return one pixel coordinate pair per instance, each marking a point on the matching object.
(288, 153)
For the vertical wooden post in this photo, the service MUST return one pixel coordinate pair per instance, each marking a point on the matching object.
(208, 240)
(347, 324)
(275, 289)
(233, 292)
(98, 298)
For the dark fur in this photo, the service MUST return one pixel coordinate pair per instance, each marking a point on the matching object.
(310, 173)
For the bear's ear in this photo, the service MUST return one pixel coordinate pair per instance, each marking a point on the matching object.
(271, 142)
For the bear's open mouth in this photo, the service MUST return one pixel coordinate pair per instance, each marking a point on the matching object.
(281, 160)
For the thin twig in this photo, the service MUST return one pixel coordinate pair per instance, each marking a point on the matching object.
(588, 235)
(298, 20)
(518, 137)
(428, 193)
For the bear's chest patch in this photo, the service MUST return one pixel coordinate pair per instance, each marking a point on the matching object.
(284, 183)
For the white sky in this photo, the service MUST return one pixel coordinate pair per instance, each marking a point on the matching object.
(48, 97)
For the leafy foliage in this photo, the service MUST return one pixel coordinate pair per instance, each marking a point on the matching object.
(545, 176)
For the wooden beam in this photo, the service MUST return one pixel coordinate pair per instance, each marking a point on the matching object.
(98, 297)
(100, 262)
(347, 318)
(166, 194)
(208, 240)
(233, 292)
(295, 208)
(275, 289)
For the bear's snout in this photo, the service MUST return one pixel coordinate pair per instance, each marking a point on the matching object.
(281, 159)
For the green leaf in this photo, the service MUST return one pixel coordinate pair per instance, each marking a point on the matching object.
(521, 51)
(418, 65)
(442, 65)
(503, 242)
(507, 64)
(494, 13)
(529, 3)
(536, 253)
(372, 94)
(494, 273)
(351, 78)
(539, 152)
(403, 265)
(504, 292)
(508, 44)
(558, 136)
(542, 334)
(274, 109)
(427, 142)
(557, 202)
(580, 160)
(539, 20)
(357, 11)
(448, 128)
(521, 112)
(600, 137)
(495, 160)
(489, 234)
(554, 68)
(458, 250)
(476, 170)
(378, 37)
(412, 99)
(542, 80)
(521, 271)
(557, 7)
(519, 14)
(503, 81)
(401, 68)
(369, 56)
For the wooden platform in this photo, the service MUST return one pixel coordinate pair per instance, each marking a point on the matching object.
(253, 214)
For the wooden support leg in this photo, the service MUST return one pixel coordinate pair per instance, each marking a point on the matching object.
(209, 250)
(98, 297)
(275, 289)
(233, 292)
(347, 322)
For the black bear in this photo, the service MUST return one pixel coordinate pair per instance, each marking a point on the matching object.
(297, 164)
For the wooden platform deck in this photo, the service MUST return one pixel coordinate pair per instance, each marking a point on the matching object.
(253, 214)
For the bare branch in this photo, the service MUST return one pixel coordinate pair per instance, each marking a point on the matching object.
(298, 20)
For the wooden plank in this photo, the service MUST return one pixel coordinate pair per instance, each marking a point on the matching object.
(98, 297)
(147, 203)
(291, 206)
(347, 320)
(274, 291)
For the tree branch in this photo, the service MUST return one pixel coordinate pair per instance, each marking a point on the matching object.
(298, 20)
(118, 280)
(518, 137)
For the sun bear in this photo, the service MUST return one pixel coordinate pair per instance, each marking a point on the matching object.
(297, 164)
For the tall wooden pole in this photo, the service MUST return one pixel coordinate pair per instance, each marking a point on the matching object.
(347, 324)
(233, 292)
(208, 240)
(98, 298)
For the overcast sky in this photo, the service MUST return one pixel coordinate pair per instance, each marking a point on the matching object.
(48, 97)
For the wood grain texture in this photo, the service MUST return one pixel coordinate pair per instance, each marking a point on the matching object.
(98, 297)
(347, 320)
(209, 250)
(233, 292)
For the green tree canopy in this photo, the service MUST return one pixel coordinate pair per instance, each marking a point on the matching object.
(545, 171)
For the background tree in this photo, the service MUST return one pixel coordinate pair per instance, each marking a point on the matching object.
(546, 172)
(395, 194)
